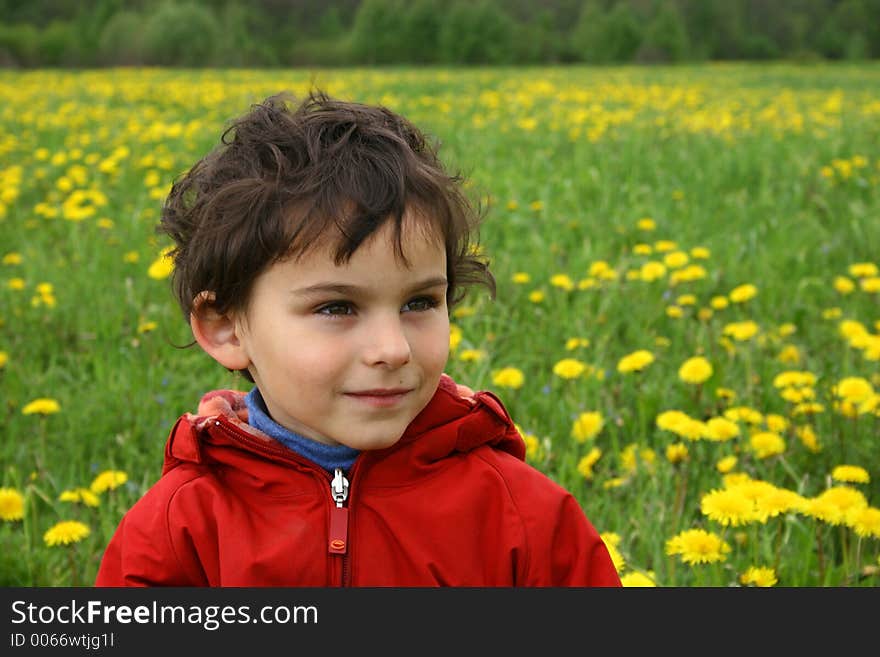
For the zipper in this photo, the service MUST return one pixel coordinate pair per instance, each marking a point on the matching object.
(338, 540)
(337, 543)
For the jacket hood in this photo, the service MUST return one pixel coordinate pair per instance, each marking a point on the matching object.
(449, 424)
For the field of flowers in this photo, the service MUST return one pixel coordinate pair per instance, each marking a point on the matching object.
(686, 330)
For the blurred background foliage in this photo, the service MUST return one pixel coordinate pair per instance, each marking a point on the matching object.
(284, 33)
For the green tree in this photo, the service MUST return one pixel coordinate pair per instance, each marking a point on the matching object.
(420, 36)
(120, 40)
(666, 38)
(586, 37)
(185, 34)
(477, 33)
(375, 37)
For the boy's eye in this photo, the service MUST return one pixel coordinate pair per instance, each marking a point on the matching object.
(420, 304)
(336, 308)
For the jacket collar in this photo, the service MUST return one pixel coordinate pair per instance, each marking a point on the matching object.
(448, 424)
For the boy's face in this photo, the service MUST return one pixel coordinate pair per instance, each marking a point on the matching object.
(350, 354)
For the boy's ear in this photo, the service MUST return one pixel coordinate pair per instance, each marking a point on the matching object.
(217, 334)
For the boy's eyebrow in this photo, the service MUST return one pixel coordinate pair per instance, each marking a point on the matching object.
(354, 290)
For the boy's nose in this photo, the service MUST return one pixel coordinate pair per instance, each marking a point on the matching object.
(387, 344)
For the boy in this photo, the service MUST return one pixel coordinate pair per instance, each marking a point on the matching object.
(318, 251)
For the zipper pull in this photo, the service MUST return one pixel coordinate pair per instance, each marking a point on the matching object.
(338, 543)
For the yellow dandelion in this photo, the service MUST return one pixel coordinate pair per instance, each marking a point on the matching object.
(11, 504)
(850, 474)
(65, 533)
(4, 358)
(12, 258)
(509, 377)
(163, 265)
(721, 429)
(569, 368)
(729, 507)
(677, 453)
(766, 444)
(743, 293)
(80, 495)
(41, 406)
(471, 355)
(521, 278)
(536, 296)
(574, 343)
(719, 303)
(455, 336)
(634, 578)
(695, 370)
(108, 480)
(587, 426)
(697, 546)
(863, 270)
(844, 285)
(636, 361)
(726, 464)
(865, 521)
(646, 224)
(562, 281)
(586, 463)
(759, 576)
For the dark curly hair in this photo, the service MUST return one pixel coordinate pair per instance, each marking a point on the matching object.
(284, 173)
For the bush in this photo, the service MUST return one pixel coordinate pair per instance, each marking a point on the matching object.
(59, 45)
(120, 43)
(18, 45)
(477, 33)
(183, 34)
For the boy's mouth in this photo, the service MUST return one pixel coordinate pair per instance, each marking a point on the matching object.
(381, 397)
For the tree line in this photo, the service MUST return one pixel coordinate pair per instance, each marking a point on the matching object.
(269, 33)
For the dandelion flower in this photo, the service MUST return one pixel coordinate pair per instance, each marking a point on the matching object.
(695, 370)
(854, 389)
(864, 521)
(509, 377)
(108, 480)
(569, 368)
(80, 495)
(163, 265)
(696, 546)
(851, 474)
(726, 464)
(4, 358)
(636, 579)
(676, 453)
(562, 281)
(587, 426)
(11, 504)
(616, 557)
(766, 444)
(585, 465)
(455, 336)
(41, 406)
(721, 429)
(65, 533)
(636, 361)
(844, 285)
(759, 576)
(743, 293)
(728, 507)
(521, 278)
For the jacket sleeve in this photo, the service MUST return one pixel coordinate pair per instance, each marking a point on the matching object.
(563, 547)
(141, 551)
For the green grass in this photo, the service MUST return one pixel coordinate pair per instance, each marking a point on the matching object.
(774, 169)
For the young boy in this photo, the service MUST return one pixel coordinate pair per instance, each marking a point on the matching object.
(318, 251)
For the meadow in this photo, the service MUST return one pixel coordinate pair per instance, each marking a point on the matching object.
(686, 328)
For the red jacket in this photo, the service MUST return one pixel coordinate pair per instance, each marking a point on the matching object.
(452, 503)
